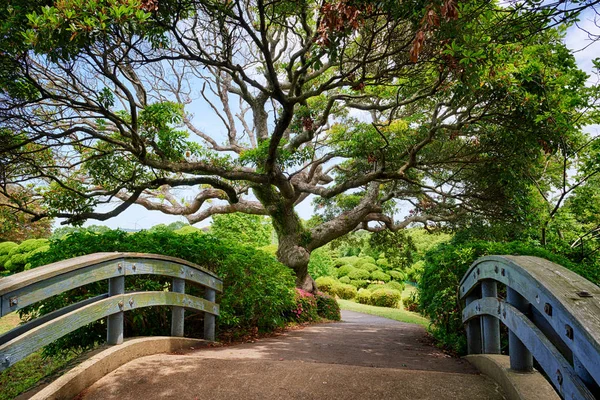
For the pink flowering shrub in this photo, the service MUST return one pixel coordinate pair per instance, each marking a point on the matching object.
(305, 309)
(327, 307)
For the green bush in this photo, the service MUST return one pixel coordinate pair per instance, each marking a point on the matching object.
(18, 256)
(347, 292)
(368, 267)
(5, 248)
(358, 274)
(345, 279)
(385, 297)
(359, 283)
(397, 275)
(366, 259)
(363, 296)
(321, 263)
(414, 272)
(375, 286)
(394, 285)
(383, 263)
(305, 308)
(345, 261)
(411, 302)
(258, 290)
(380, 276)
(327, 307)
(444, 267)
(326, 284)
(345, 270)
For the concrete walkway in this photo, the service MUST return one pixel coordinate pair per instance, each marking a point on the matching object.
(363, 357)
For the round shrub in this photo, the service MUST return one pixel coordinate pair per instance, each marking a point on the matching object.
(359, 283)
(368, 267)
(327, 307)
(345, 261)
(326, 284)
(258, 290)
(18, 256)
(359, 274)
(395, 285)
(375, 286)
(345, 270)
(380, 276)
(366, 259)
(397, 275)
(383, 263)
(347, 292)
(305, 307)
(345, 279)
(5, 248)
(385, 297)
(363, 296)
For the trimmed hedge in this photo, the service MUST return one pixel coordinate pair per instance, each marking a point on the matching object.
(347, 292)
(386, 297)
(326, 284)
(327, 307)
(397, 275)
(357, 274)
(394, 285)
(368, 267)
(380, 276)
(345, 270)
(364, 296)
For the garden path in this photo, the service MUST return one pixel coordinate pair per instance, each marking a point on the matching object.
(363, 357)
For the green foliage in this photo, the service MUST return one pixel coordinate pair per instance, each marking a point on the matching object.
(258, 290)
(413, 273)
(328, 307)
(345, 279)
(252, 230)
(305, 309)
(397, 275)
(358, 274)
(411, 302)
(444, 268)
(386, 297)
(369, 267)
(380, 276)
(363, 296)
(5, 248)
(364, 260)
(345, 270)
(321, 263)
(18, 257)
(346, 261)
(394, 285)
(326, 284)
(345, 291)
(359, 283)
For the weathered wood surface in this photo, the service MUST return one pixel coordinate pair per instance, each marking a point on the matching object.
(557, 368)
(568, 302)
(25, 288)
(40, 336)
(22, 279)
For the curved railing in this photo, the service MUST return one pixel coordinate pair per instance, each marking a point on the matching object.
(20, 290)
(552, 315)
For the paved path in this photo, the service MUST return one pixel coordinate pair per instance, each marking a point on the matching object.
(363, 357)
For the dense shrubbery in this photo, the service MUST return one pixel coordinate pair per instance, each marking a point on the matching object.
(305, 309)
(345, 291)
(444, 268)
(258, 289)
(364, 296)
(18, 256)
(385, 297)
(380, 276)
(359, 274)
(327, 307)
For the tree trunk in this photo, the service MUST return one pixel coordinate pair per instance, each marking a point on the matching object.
(292, 236)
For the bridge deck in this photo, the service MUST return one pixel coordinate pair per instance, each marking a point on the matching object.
(362, 357)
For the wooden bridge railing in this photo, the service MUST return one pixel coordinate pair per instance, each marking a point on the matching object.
(26, 288)
(552, 315)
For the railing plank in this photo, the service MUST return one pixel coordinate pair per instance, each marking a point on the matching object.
(40, 336)
(557, 368)
(569, 303)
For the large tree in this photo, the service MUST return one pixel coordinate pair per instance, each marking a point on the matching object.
(363, 106)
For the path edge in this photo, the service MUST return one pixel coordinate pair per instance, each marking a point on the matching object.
(76, 380)
(516, 385)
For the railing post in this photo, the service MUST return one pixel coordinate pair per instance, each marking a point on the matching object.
(114, 322)
(474, 345)
(209, 319)
(520, 358)
(490, 325)
(177, 313)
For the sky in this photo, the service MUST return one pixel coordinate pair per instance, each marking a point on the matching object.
(137, 217)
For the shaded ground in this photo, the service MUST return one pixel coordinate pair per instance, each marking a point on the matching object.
(363, 357)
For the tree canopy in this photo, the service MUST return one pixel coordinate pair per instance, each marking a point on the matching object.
(449, 108)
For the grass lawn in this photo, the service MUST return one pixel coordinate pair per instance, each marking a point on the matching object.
(398, 314)
(26, 373)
